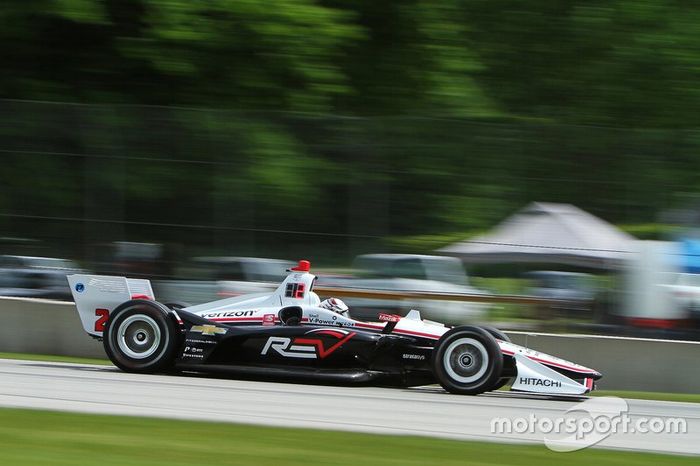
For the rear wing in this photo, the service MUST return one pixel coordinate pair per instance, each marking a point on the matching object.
(96, 296)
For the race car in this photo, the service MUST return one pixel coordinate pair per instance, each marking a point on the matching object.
(287, 335)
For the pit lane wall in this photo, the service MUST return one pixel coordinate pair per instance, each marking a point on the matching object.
(626, 363)
(41, 326)
(50, 327)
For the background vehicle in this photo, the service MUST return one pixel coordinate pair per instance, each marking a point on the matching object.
(658, 295)
(575, 288)
(684, 289)
(410, 272)
(208, 278)
(36, 277)
(242, 275)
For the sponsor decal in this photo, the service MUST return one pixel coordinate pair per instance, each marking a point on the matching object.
(268, 319)
(538, 382)
(193, 350)
(389, 317)
(333, 321)
(200, 342)
(308, 348)
(419, 357)
(196, 356)
(208, 329)
(79, 287)
(108, 286)
(228, 314)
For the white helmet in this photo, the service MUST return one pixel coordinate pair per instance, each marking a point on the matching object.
(335, 305)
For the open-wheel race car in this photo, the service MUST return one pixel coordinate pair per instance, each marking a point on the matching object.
(287, 335)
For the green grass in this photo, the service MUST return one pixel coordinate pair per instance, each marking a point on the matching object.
(658, 396)
(52, 358)
(30, 437)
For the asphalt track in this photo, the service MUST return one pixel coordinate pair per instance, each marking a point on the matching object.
(425, 411)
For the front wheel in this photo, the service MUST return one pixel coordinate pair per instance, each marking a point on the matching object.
(498, 335)
(467, 361)
(140, 337)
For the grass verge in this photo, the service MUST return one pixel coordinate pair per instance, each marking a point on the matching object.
(29, 437)
(52, 358)
(656, 396)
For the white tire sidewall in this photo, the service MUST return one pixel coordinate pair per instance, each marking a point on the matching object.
(452, 347)
(121, 340)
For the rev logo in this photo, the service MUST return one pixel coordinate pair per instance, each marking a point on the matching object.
(308, 348)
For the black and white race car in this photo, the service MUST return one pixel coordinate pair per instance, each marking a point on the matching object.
(286, 335)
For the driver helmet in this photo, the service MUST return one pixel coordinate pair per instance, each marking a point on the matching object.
(335, 305)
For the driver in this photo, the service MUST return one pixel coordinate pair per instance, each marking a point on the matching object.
(335, 305)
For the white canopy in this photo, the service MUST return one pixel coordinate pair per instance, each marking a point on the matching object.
(548, 233)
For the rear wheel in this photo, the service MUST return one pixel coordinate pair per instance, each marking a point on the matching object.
(467, 360)
(176, 305)
(140, 337)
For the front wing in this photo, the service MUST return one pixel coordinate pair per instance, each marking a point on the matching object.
(535, 377)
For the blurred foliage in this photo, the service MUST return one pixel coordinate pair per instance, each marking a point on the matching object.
(359, 119)
(420, 244)
(653, 231)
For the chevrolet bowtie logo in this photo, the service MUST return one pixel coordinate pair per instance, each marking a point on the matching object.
(208, 329)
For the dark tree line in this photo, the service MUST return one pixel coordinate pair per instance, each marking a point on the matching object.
(362, 118)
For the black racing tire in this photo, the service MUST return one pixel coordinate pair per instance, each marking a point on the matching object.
(140, 336)
(176, 305)
(467, 361)
(498, 335)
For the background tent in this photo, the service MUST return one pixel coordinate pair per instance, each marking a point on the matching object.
(548, 233)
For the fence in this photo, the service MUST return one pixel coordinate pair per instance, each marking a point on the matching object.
(209, 182)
